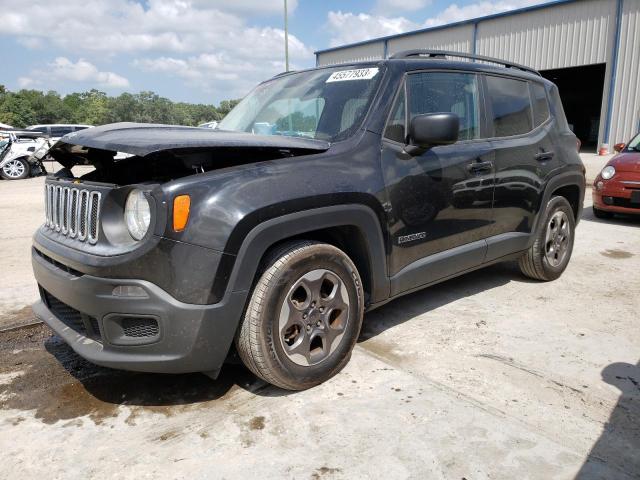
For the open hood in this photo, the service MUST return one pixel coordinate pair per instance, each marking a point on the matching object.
(126, 153)
(142, 139)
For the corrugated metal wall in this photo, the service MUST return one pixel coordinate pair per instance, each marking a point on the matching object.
(456, 39)
(558, 36)
(563, 36)
(625, 121)
(359, 53)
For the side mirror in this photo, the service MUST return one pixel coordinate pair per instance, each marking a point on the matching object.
(432, 129)
(618, 147)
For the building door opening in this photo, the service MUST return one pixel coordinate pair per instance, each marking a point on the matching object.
(581, 90)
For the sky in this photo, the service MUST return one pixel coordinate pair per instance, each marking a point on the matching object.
(200, 51)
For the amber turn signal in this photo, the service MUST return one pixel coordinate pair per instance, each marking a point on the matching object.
(181, 205)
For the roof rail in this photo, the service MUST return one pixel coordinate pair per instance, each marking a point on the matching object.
(443, 54)
(283, 73)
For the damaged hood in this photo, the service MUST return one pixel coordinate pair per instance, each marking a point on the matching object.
(142, 139)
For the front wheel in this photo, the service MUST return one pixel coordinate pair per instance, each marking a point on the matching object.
(549, 255)
(15, 169)
(304, 316)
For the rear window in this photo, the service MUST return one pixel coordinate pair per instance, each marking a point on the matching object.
(540, 104)
(511, 106)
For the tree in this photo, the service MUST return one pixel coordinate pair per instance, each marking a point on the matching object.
(27, 107)
(16, 111)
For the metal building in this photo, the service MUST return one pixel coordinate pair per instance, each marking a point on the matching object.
(589, 48)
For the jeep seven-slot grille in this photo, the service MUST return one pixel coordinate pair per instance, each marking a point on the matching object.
(72, 212)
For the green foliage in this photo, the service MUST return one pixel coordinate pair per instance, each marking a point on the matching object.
(297, 122)
(28, 107)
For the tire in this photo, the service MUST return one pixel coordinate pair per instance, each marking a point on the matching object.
(304, 316)
(15, 169)
(601, 213)
(550, 253)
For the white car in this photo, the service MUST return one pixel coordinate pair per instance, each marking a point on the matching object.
(55, 131)
(16, 152)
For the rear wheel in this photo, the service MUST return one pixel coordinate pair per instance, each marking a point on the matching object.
(601, 213)
(304, 316)
(15, 169)
(549, 255)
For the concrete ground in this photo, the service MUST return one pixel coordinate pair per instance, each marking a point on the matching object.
(486, 376)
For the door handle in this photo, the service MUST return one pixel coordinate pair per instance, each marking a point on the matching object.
(542, 156)
(477, 167)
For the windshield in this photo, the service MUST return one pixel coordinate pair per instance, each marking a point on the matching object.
(634, 144)
(326, 104)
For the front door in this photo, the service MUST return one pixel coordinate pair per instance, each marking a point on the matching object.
(439, 203)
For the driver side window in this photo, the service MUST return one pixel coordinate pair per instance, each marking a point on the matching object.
(436, 92)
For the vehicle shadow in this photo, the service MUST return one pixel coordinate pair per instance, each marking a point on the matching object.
(409, 306)
(617, 219)
(616, 453)
(119, 387)
(104, 386)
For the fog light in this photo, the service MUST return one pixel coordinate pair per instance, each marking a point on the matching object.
(599, 185)
(608, 200)
(129, 291)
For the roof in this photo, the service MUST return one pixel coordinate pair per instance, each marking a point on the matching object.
(471, 21)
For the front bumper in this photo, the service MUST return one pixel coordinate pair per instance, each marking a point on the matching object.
(187, 337)
(615, 194)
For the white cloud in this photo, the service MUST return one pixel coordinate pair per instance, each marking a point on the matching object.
(351, 27)
(27, 82)
(83, 71)
(454, 13)
(63, 70)
(251, 6)
(168, 37)
(395, 6)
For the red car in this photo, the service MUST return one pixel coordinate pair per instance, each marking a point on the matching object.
(617, 187)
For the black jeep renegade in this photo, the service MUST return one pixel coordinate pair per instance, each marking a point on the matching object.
(323, 194)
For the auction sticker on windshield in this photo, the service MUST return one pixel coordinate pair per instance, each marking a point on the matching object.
(358, 74)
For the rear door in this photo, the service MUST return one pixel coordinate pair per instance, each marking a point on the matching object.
(439, 202)
(521, 128)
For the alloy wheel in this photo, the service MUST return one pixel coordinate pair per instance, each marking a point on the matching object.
(313, 317)
(557, 238)
(13, 169)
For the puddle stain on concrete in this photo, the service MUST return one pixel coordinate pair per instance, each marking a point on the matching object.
(257, 423)
(58, 385)
(616, 253)
(324, 472)
(380, 349)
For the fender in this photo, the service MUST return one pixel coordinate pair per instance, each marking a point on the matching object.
(566, 179)
(269, 232)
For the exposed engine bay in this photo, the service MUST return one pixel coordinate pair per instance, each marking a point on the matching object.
(160, 153)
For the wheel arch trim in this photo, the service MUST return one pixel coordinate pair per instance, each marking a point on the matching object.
(566, 179)
(270, 232)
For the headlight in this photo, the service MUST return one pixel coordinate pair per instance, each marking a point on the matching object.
(608, 172)
(137, 214)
